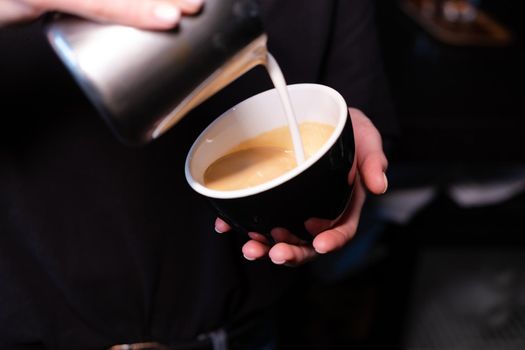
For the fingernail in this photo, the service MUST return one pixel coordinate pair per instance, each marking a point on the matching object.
(248, 258)
(166, 13)
(320, 251)
(386, 183)
(278, 262)
(217, 230)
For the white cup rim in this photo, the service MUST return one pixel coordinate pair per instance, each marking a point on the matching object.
(245, 192)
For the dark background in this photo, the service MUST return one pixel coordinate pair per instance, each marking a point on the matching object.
(453, 277)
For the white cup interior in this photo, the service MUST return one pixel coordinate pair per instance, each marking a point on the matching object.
(258, 114)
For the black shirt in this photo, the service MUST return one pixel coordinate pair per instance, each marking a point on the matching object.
(102, 244)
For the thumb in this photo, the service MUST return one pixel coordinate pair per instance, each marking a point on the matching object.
(371, 160)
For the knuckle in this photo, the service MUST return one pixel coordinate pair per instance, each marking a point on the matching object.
(346, 233)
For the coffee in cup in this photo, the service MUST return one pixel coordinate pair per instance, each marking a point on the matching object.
(264, 157)
(317, 188)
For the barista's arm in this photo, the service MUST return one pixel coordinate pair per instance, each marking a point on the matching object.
(148, 14)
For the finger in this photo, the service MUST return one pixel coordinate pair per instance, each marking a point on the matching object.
(371, 160)
(148, 14)
(258, 237)
(345, 228)
(221, 226)
(372, 171)
(189, 6)
(317, 225)
(253, 250)
(280, 234)
(291, 255)
(13, 11)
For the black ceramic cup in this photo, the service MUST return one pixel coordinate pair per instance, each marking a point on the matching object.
(318, 188)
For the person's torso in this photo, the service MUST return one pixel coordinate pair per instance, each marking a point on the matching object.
(104, 244)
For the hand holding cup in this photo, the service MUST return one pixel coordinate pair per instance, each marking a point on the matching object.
(311, 201)
(371, 164)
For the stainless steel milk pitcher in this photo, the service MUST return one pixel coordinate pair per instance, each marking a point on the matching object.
(143, 82)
